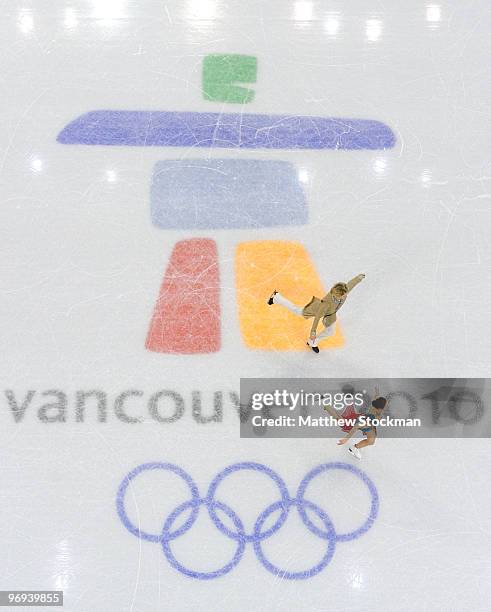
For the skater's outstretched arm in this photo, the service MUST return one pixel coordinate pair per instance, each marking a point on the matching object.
(348, 436)
(354, 281)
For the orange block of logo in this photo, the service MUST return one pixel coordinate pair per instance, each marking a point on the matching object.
(261, 267)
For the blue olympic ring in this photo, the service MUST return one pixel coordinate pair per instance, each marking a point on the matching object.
(283, 505)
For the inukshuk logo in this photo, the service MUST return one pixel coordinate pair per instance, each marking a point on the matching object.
(229, 523)
(198, 194)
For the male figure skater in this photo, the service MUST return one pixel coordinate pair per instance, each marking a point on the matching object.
(325, 309)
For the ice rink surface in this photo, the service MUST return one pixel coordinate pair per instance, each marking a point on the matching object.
(87, 234)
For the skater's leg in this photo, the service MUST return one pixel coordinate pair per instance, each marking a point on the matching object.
(279, 299)
(325, 333)
(368, 441)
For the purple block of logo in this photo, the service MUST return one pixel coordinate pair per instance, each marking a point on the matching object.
(226, 194)
(225, 130)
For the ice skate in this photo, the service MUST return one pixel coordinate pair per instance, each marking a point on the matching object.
(354, 451)
(271, 298)
(314, 348)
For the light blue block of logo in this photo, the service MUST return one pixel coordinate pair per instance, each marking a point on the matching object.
(226, 194)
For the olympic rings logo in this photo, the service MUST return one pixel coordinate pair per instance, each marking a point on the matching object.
(238, 534)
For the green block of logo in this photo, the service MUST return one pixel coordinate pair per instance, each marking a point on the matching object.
(221, 73)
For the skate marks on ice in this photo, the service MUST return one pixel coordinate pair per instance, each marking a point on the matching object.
(186, 317)
(230, 522)
(226, 194)
(264, 265)
(222, 72)
(225, 130)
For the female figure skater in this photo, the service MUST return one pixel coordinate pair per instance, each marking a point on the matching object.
(369, 431)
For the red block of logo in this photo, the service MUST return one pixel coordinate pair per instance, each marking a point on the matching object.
(186, 317)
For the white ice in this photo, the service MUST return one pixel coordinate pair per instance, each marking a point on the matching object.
(81, 265)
